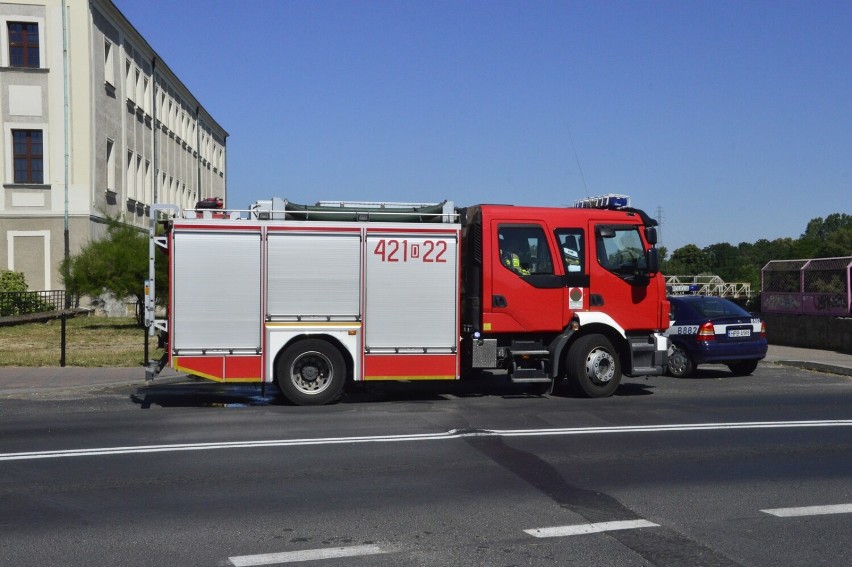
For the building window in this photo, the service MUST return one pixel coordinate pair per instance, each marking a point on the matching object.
(129, 86)
(146, 101)
(109, 65)
(28, 156)
(149, 184)
(23, 44)
(110, 159)
(140, 180)
(131, 176)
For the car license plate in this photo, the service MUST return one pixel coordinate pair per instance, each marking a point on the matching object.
(739, 333)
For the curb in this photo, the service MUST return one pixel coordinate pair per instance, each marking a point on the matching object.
(816, 367)
(138, 382)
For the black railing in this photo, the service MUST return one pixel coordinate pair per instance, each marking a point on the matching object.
(29, 302)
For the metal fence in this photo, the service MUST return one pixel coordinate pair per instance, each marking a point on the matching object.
(813, 287)
(29, 302)
(707, 284)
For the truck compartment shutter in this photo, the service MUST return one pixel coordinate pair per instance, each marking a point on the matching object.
(314, 275)
(217, 291)
(412, 295)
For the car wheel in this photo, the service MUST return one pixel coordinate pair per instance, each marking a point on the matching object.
(680, 364)
(311, 372)
(743, 368)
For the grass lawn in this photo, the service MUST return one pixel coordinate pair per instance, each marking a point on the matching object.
(90, 341)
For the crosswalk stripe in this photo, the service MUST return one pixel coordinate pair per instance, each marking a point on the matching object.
(580, 529)
(810, 510)
(304, 555)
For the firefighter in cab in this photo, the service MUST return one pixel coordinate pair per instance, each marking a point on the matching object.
(571, 255)
(512, 253)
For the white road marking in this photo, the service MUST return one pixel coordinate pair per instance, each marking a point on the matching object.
(580, 529)
(443, 436)
(305, 555)
(810, 510)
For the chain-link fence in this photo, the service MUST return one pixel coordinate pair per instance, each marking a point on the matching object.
(814, 287)
(29, 302)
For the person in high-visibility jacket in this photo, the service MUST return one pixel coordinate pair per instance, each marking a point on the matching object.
(511, 258)
(571, 257)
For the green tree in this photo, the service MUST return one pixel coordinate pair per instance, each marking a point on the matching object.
(827, 238)
(688, 260)
(725, 261)
(12, 281)
(838, 243)
(116, 265)
(823, 238)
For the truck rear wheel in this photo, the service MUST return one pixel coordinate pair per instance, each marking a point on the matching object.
(593, 366)
(311, 372)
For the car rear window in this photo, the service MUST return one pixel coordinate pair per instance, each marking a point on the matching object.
(711, 307)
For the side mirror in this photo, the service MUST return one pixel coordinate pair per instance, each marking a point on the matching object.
(651, 235)
(653, 260)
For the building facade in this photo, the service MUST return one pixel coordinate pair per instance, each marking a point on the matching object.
(104, 131)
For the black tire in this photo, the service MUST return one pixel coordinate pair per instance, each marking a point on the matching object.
(743, 368)
(680, 364)
(594, 368)
(311, 372)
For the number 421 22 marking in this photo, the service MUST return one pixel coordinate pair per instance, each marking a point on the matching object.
(392, 250)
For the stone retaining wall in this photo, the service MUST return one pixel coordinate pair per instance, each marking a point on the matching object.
(806, 331)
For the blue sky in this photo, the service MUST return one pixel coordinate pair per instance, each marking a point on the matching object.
(734, 117)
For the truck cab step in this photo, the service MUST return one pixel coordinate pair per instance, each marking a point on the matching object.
(529, 376)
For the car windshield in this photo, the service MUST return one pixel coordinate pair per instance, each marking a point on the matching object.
(711, 307)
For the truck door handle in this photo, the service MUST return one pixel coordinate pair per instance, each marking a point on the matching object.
(596, 300)
(499, 301)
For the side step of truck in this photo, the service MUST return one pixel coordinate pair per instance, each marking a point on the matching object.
(154, 367)
(524, 353)
(529, 376)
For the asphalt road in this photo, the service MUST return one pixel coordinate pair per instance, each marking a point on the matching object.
(712, 470)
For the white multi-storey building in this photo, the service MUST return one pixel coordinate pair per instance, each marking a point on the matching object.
(94, 125)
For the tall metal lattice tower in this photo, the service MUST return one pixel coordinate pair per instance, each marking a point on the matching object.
(661, 216)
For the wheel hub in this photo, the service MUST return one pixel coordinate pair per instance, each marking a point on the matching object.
(677, 361)
(600, 366)
(311, 373)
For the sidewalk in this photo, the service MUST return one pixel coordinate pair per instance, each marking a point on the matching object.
(17, 380)
(27, 380)
(811, 359)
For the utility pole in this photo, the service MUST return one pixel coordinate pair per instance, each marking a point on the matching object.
(660, 218)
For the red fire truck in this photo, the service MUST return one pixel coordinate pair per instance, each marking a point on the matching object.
(310, 297)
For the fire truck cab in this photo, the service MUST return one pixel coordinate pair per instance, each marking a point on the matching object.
(310, 297)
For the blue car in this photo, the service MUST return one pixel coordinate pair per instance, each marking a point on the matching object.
(713, 330)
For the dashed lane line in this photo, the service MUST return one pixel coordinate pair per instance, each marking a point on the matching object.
(581, 529)
(441, 436)
(305, 555)
(810, 510)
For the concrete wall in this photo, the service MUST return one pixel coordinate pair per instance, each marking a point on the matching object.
(808, 331)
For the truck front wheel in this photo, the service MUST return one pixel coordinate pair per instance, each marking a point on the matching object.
(311, 372)
(593, 366)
